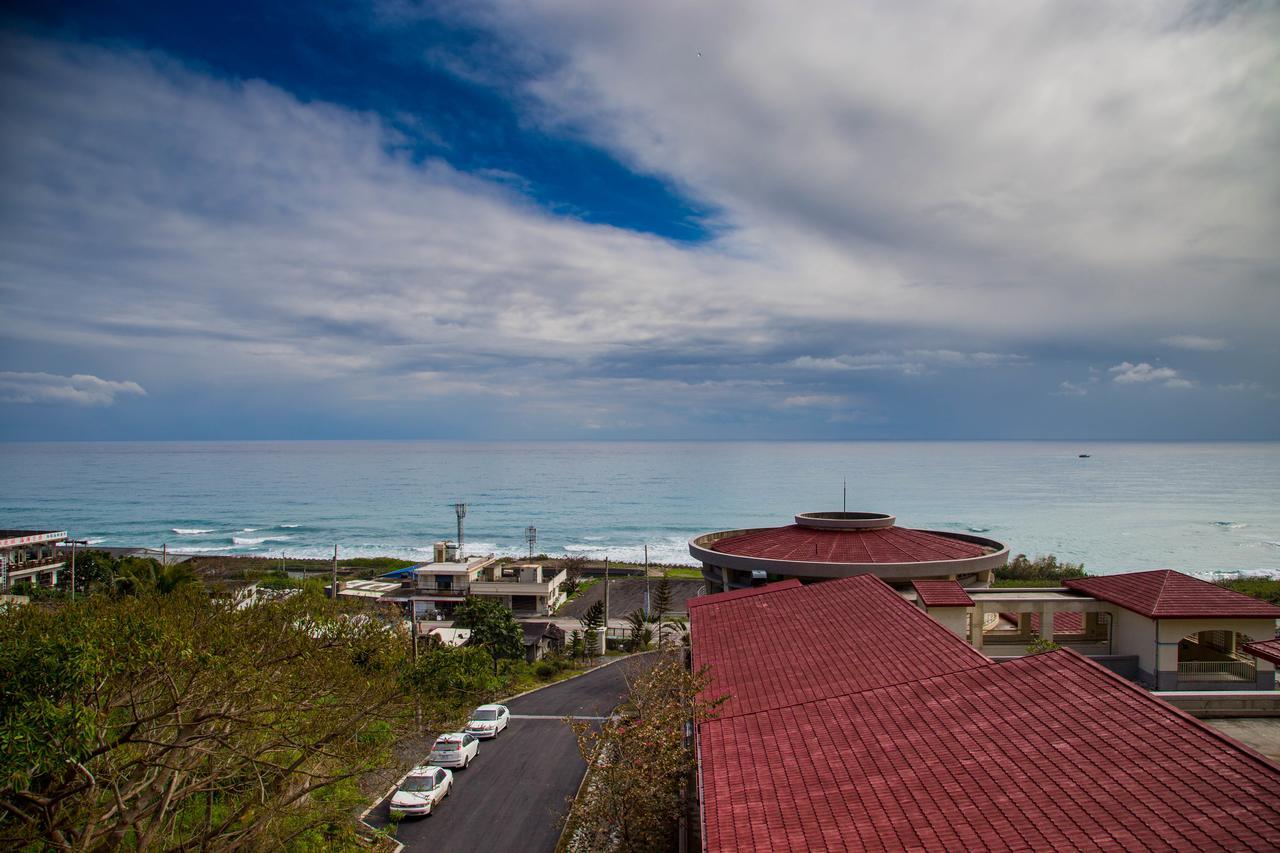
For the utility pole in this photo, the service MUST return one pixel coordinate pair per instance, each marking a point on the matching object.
(844, 496)
(74, 543)
(646, 579)
(333, 589)
(604, 644)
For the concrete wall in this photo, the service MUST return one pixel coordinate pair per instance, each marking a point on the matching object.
(954, 619)
(1132, 634)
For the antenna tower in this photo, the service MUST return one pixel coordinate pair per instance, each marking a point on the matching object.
(531, 536)
(461, 510)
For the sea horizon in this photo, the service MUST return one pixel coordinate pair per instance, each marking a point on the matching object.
(1204, 507)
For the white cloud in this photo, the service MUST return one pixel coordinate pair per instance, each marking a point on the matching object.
(79, 389)
(909, 362)
(1071, 389)
(1195, 342)
(1127, 373)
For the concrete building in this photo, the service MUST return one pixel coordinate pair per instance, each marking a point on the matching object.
(857, 722)
(1163, 629)
(825, 545)
(431, 591)
(31, 556)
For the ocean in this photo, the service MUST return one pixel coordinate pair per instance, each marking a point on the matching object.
(1202, 508)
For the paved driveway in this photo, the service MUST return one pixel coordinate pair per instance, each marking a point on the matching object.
(514, 794)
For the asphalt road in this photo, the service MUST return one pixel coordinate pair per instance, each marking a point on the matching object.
(516, 791)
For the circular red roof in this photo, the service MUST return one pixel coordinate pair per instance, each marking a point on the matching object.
(857, 545)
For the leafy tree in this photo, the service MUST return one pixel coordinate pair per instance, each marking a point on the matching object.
(661, 604)
(95, 572)
(641, 633)
(592, 622)
(1041, 568)
(639, 763)
(493, 628)
(177, 721)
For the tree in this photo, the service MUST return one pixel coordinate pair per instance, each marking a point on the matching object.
(1040, 644)
(641, 633)
(1040, 569)
(592, 621)
(577, 646)
(177, 721)
(661, 604)
(573, 567)
(640, 763)
(493, 628)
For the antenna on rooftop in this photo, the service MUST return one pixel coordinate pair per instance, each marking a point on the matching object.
(844, 496)
(531, 536)
(461, 510)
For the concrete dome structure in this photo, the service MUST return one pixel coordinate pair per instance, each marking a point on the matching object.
(824, 545)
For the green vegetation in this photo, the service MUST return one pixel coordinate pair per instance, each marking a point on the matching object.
(493, 627)
(641, 766)
(1039, 644)
(592, 623)
(1264, 588)
(1020, 568)
(684, 573)
(162, 721)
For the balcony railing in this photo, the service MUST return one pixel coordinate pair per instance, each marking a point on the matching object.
(1217, 670)
(28, 565)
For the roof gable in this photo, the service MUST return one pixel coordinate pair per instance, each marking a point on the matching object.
(1166, 594)
(936, 593)
(793, 643)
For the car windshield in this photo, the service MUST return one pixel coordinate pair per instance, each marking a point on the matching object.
(485, 714)
(418, 783)
(446, 745)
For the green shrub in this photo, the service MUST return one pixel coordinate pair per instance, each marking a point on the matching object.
(544, 669)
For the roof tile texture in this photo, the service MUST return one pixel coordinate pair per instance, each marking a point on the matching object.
(974, 759)
(801, 643)
(1166, 594)
(942, 594)
(1265, 649)
(876, 545)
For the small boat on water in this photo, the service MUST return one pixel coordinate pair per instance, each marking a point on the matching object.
(1084, 456)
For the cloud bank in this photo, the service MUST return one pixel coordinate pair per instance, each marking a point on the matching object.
(79, 390)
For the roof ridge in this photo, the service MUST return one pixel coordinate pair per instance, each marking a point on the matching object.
(1164, 582)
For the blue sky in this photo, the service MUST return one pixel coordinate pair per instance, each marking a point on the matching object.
(660, 220)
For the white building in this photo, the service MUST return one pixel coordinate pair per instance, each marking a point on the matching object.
(432, 591)
(30, 555)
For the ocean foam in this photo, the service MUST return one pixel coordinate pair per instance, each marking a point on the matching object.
(191, 531)
(256, 540)
(1230, 525)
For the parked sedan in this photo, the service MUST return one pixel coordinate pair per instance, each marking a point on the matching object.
(487, 720)
(455, 749)
(421, 791)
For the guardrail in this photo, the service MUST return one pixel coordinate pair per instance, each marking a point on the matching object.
(1216, 670)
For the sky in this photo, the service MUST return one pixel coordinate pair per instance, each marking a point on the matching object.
(731, 219)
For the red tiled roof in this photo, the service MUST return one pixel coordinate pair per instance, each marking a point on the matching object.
(874, 545)
(801, 643)
(1166, 594)
(1064, 622)
(942, 594)
(734, 594)
(973, 759)
(1265, 649)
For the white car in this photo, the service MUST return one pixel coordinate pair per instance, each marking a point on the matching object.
(421, 791)
(487, 720)
(455, 749)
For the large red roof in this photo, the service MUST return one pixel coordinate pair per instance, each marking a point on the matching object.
(800, 643)
(855, 721)
(872, 545)
(933, 593)
(1166, 594)
(1265, 649)
(974, 760)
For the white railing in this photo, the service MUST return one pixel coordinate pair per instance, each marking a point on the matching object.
(1216, 670)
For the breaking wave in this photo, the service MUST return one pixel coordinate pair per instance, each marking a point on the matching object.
(191, 531)
(256, 540)
(1230, 525)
